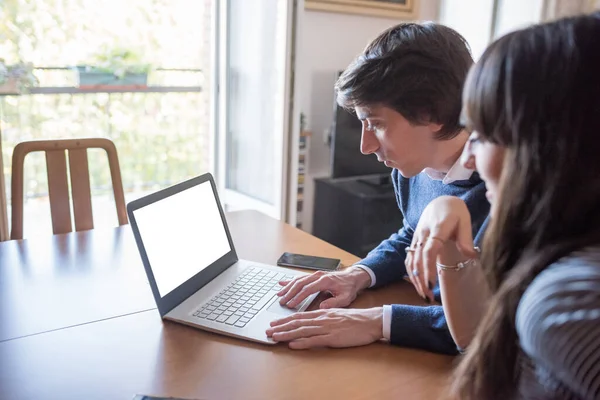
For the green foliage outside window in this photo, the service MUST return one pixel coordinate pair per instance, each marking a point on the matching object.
(162, 138)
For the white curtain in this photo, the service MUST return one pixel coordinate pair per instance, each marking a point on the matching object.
(3, 206)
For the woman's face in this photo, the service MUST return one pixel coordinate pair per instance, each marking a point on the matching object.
(488, 159)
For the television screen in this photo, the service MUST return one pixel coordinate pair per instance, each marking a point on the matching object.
(346, 158)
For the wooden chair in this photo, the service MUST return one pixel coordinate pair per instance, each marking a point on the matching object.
(58, 187)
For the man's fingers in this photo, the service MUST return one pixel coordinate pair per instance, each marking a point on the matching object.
(289, 326)
(300, 315)
(290, 284)
(287, 285)
(296, 285)
(314, 287)
(299, 333)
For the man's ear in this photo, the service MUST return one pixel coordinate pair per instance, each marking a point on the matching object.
(435, 128)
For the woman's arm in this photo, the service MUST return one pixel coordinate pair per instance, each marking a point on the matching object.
(465, 294)
(444, 235)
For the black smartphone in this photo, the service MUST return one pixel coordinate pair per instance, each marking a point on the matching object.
(310, 262)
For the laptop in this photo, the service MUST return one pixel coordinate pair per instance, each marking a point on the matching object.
(195, 274)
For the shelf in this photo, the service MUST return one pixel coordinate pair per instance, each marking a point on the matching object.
(121, 89)
(302, 154)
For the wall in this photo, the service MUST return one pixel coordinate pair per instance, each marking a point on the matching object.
(327, 43)
(516, 14)
(472, 19)
(553, 9)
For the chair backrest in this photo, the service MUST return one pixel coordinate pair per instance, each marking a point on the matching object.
(58, 187)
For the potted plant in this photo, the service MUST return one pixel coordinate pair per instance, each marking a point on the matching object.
(16, 78)
(114, 67)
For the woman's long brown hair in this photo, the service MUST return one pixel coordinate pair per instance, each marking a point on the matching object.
(535, 92)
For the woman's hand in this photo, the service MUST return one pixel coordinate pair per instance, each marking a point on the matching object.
(443, 234)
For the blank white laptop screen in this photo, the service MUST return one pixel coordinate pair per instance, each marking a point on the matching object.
(182, 235)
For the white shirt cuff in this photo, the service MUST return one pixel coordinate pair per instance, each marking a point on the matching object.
(387, 321)
(368, 271)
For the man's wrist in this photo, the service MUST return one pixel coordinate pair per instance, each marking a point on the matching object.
(377, 313)
(361, 278)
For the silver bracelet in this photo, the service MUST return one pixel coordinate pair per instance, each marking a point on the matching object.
(460, 265)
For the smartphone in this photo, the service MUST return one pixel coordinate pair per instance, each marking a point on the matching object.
(310, 262)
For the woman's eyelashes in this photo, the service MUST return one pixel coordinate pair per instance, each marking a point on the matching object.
(474, 139)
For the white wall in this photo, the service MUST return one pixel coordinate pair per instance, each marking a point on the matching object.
(472, 19)
(517, 14)
(327, 43)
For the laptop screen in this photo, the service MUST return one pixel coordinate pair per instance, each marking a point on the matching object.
(182, 235)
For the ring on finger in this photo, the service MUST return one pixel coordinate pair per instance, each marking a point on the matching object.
(415, 272)
(409, 250)
(436, 238)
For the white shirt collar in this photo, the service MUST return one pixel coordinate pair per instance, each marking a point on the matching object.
(458, 172)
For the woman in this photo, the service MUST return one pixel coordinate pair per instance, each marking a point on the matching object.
(528, 314)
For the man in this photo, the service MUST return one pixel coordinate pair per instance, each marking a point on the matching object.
(406, 89)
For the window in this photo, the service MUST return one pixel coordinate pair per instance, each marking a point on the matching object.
(162, 132)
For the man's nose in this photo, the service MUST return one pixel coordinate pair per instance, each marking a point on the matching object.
(368, 142)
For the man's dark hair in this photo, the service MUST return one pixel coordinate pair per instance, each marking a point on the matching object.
(416, 69)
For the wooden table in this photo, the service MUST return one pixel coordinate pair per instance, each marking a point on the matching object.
(62, 339)
(68, 280)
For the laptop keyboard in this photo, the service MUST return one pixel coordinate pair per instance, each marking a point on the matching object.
(244, 298)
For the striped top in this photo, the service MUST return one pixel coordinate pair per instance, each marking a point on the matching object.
(558, 323)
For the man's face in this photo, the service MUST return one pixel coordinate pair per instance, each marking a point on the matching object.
(397, 143)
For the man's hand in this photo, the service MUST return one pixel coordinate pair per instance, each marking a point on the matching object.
(329, 328)
(343, 286)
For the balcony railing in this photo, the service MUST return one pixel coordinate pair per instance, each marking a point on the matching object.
(161, 133)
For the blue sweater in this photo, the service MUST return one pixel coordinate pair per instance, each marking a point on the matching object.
(417, 326)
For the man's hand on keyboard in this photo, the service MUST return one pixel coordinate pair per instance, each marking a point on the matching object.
(329, 328)
(343, 285)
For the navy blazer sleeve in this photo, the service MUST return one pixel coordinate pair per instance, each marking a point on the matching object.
(417, 326)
